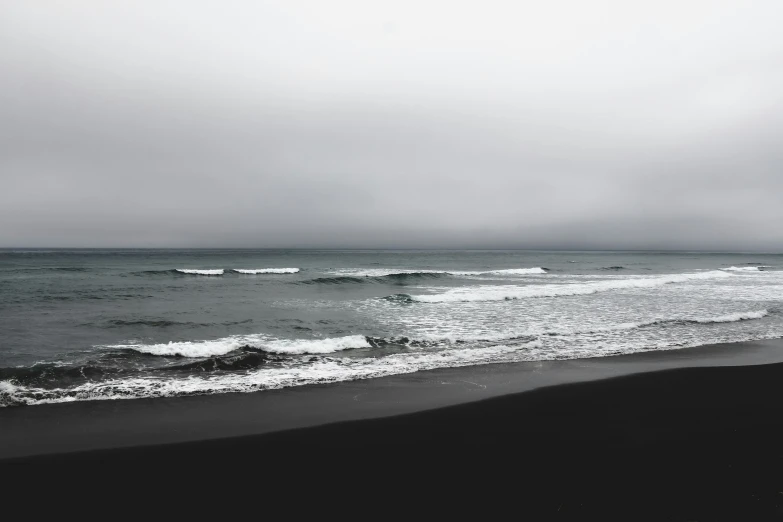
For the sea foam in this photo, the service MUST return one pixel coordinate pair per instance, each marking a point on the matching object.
(507, 271)
(387, 272)
(509, 292)
(266, 270)
(210, 272)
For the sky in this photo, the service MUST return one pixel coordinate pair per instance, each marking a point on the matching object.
(589, 124)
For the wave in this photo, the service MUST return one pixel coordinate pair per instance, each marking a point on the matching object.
(385, 275)
(208, 272)
(266, 271)
(248, 368)
(392, 272)
(41, 374)
(333, 280)
(746, 268)
(384, 272)
(618, 267)
(396, 277)
(506, 271)
(508, 292)
(241, 353)
(51, 269)
(319, 372)
(119, 323)
(247, 359)
(181, 272)
(262, 342)
(161, 323)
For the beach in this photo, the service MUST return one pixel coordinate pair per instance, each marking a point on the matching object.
(690, 434)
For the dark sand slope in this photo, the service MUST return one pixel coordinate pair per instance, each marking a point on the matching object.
(683, 444)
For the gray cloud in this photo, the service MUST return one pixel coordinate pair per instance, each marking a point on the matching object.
(429, 124)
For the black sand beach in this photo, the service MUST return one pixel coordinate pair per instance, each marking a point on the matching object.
(694, 443)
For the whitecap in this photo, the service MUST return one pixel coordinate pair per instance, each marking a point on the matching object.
(266, 270)
(507, 271)
(210, 272)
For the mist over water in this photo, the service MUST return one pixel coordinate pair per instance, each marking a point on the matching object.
(110, 324)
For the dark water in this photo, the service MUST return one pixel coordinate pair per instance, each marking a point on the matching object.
(98, 324)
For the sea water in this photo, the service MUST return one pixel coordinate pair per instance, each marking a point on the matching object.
(121, 324)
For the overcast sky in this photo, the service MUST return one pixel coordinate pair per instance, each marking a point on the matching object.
(558, 123)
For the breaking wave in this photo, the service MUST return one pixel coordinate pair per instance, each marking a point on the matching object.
(385, 275)
(252, 363)
(507, 271)
(266, 271)
(398, 277)
(261, 342)
(745, 268)
(507, 292)
(321, 371)
(209, 272)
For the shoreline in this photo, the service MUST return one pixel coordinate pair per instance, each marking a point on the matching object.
(95, 425)
(692, 443)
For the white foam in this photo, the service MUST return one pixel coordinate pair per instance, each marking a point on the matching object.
(506, 292)
(319, 372)
(330, 369)
(266, 270)
(745, 268)
(381, 272)
(315, 346)
(226, 345)
(210, 272)
(508, 271)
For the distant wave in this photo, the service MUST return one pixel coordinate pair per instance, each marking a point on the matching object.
(398, 277)
(181, 272)
(507, 292)
(384, 272)
(51, 269)
(383, 275)
(507, 271)
(334, 280)
(266, 270)
(392, 272)
(209, 272)
(162, 323)
(618, 267)
(217, 271)
(152, 322)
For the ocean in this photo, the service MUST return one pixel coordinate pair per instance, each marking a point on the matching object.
(79, 325)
